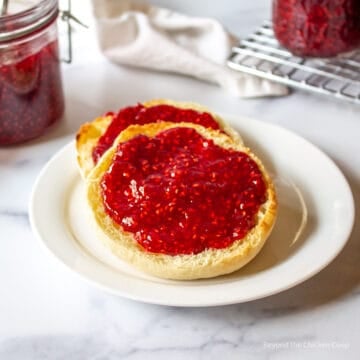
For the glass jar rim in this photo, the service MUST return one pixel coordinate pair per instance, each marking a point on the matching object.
(26, 22)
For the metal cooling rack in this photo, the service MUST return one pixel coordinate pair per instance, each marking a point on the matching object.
(261, 55)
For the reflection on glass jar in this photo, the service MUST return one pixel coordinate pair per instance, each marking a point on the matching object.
(318, 28)
(31, 95)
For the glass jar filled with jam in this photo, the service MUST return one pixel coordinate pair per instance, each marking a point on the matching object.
(317, 28)
(31, 95)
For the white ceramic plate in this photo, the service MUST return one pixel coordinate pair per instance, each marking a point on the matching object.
(316, 215)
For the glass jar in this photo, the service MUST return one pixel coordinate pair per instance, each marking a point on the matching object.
(31, 94)
(317, 28)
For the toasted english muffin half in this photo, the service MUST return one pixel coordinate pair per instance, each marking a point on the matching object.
(206, 264)
(90, 133)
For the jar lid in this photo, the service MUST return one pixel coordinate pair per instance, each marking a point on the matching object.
(24, 17)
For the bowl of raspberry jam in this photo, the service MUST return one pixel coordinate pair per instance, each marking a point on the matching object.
(317, 28)
(31, 94)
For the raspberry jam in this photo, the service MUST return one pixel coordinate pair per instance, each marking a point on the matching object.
(141, 115)
(318, 28)
(179, 193)
(31, 96)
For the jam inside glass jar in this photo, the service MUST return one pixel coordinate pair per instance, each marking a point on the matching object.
(317, 28)
(31, 94)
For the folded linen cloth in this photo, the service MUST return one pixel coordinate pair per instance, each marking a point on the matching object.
(139, 34)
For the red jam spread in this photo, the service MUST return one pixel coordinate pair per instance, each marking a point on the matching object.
(179, 193)
(31, 95)
(141, 115)
(319, 28)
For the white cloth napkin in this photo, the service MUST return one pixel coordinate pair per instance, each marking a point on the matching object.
(139, 34)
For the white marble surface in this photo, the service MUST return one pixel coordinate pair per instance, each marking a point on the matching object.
(48, 313)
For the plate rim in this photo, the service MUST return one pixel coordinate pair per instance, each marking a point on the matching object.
(182, 303)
